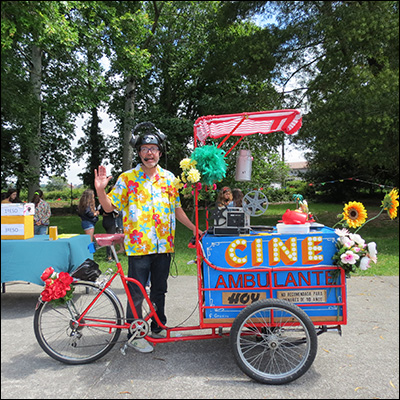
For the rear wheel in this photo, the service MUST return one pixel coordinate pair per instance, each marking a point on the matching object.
(63, 338)
(273, 341)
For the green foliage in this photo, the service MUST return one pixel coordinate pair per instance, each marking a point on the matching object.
(56, 183)
(72, 38)
(267, 166)
(177, 61)
(35, 133)
(277, 195)
(348, 67)
(65, 195)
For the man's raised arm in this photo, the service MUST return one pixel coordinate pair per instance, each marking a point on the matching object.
(100, 183)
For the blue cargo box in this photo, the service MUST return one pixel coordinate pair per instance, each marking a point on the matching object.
(297, 268)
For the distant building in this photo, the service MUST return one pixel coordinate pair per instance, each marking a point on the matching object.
(297, 169)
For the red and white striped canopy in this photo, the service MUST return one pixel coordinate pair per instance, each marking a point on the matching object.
(216, 126)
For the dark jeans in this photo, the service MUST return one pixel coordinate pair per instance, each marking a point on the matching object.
(139, 268)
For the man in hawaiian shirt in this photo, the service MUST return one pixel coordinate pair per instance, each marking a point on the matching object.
(150, 205)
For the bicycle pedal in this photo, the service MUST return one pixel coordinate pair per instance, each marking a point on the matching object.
(123, 349)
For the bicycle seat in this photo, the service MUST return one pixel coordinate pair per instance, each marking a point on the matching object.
(108, 239)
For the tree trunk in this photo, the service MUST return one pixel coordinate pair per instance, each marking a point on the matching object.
(34, 153)
(128, 123)
(130, 98)
(95, 158)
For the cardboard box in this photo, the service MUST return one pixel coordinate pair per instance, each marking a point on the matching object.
(17, 227)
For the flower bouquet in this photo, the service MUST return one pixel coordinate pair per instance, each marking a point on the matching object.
(352, 251)
(205, 166)
(58, 289)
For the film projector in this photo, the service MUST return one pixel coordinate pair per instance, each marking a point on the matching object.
(226, 221)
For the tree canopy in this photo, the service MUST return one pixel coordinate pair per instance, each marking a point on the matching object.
(347, 55)
(172, 62)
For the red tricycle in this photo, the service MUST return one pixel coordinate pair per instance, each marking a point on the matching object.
(271, 289)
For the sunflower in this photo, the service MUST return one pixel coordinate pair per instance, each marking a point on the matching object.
(354, 214)
(390, 203)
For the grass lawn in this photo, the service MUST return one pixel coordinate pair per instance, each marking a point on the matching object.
(383, 231)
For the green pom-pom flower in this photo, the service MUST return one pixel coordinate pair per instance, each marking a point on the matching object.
(210, 162)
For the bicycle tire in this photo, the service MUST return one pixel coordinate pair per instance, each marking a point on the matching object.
(57, 336)
(273, 353)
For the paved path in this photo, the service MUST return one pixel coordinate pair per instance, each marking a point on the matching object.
(362, 364)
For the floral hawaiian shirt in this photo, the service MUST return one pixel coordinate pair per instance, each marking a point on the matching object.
(42, 213)
(148, 210)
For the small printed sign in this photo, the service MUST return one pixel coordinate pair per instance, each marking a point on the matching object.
(303, 296)
(12, 210)
(12, 229)
(239, 298)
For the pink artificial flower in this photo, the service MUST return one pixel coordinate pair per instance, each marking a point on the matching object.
(349, 257)
(346, 242)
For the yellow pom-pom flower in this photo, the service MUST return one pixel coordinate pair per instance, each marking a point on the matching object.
(187, 163)
(178, 183)
(193, 175)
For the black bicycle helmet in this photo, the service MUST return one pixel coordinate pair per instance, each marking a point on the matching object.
(147, 133)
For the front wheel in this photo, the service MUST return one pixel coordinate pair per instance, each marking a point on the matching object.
(273, 341)
(63, 338)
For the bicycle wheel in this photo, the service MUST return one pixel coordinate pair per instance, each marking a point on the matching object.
(273, 341)
(61, 337)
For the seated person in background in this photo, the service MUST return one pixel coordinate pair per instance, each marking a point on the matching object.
(10, 196)
(224, 197)
(42, 215)
(237, 198)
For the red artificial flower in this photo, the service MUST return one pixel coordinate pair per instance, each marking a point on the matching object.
(57, 286)
(65, 278)
(59, 289)
(47, 273)
(47, 294)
